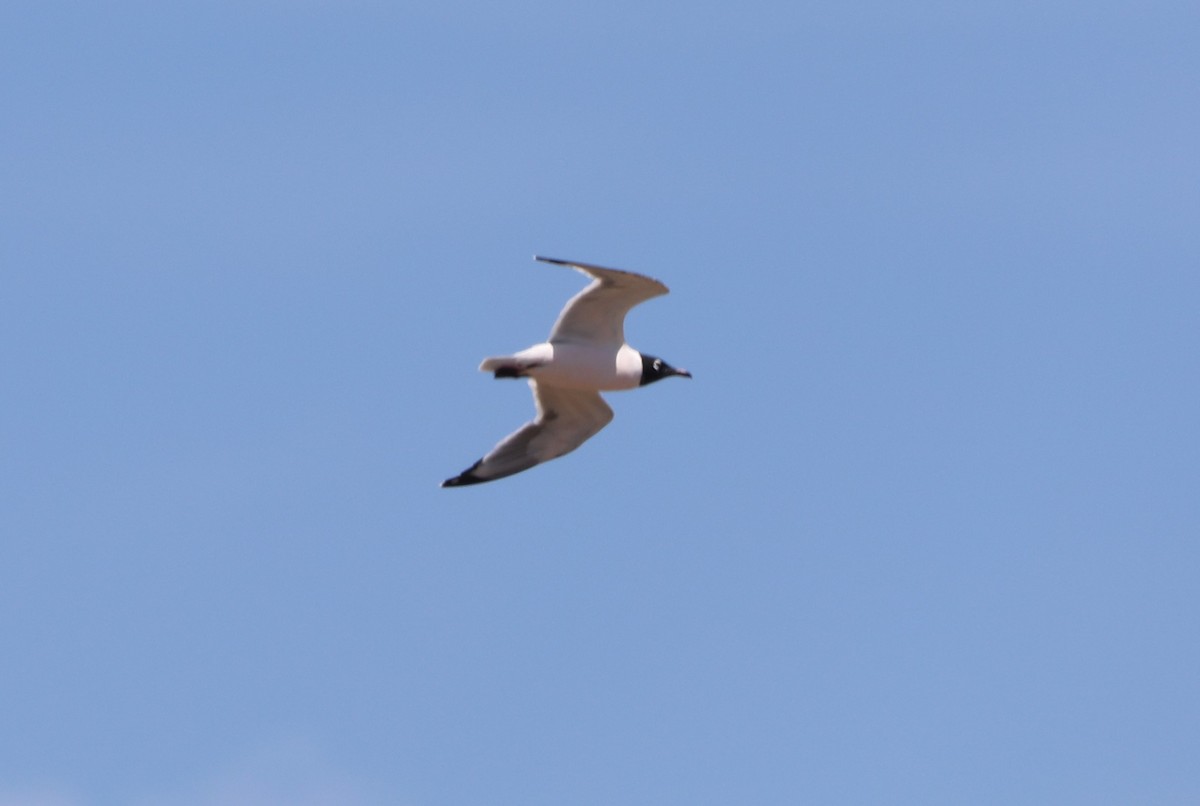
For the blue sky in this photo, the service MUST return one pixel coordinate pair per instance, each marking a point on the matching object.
(923, 528)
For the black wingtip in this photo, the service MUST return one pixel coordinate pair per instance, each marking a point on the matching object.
(553, 260)
(466, 477)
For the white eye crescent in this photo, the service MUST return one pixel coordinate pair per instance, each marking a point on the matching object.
(658, 363)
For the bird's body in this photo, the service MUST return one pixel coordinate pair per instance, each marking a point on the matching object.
(574, 365)
(585, 355)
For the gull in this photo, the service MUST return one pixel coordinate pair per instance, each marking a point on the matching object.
(585, 355)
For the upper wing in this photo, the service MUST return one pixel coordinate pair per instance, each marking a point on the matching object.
(597, 313)
(565, 419)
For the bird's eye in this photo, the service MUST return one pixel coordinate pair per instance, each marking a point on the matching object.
(658, 363)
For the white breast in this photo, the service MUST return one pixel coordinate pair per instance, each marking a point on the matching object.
(579, 366)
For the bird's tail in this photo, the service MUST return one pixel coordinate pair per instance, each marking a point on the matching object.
(508, 366)
(495, 362)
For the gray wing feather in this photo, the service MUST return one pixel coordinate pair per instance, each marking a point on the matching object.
(566, 418)
(597, 313)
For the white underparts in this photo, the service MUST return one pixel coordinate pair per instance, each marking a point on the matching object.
(575, 366)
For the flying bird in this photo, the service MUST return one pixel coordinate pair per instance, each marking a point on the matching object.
(585, 355)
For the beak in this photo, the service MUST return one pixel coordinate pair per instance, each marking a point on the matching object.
(683, 372)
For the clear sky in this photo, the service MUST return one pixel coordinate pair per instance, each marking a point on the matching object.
(924, 528)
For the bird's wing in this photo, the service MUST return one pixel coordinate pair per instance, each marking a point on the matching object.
(597, 313)
(566, 418)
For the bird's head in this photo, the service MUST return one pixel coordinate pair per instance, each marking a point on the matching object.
(655, 369)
